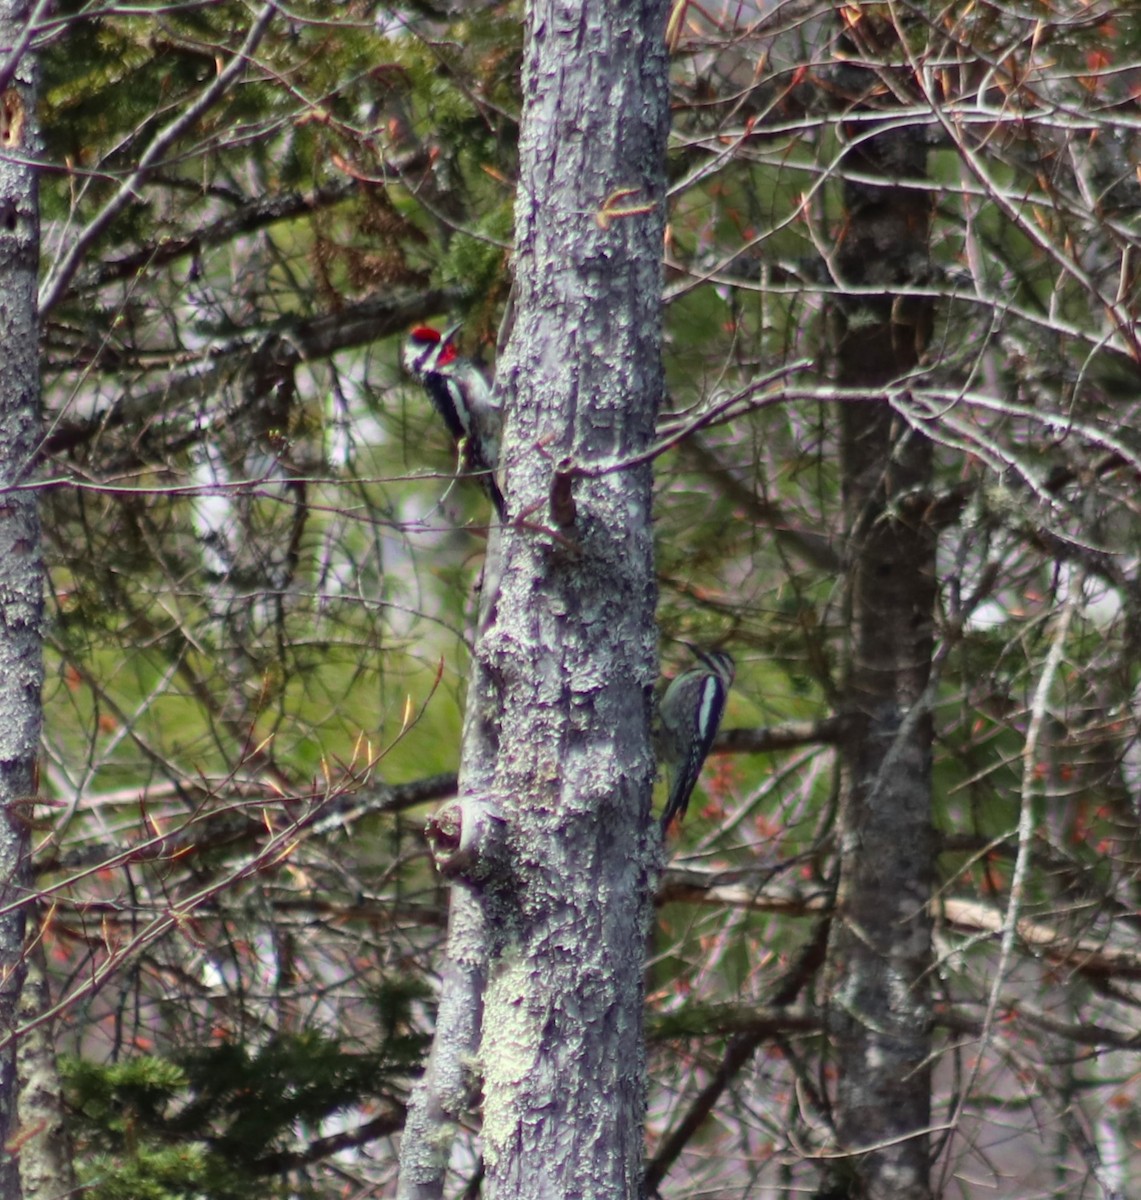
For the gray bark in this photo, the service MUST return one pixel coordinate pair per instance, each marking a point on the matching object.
(21, 575)
(880, 953)
(45, 1148)
(556, 847)
(449, 1087)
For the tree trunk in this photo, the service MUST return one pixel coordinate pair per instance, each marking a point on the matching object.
(572, 638)
(21, 574)
(553, 826)
(45, 1148)
(880, 955)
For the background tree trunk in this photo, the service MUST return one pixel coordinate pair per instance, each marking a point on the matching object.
(880, 954)
(21, 577)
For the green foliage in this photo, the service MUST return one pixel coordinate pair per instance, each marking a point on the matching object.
(120, 1108)
(210, 1121)
(247, 1101)
(478, 263)
(182, 1172)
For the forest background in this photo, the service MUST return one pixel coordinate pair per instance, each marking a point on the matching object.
(896, 476)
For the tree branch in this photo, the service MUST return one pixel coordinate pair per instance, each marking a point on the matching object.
(60, 276)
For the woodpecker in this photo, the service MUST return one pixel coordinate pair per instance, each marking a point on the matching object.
(461, 395)
(690, 715)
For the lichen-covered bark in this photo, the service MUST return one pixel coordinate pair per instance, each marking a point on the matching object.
(45, 1148)
(21, 584)
(449, 1087)
(880, 955)
(550, 845)
(569, 643)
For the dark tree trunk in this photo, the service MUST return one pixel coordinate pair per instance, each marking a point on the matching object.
(880, 955)
(21, 574)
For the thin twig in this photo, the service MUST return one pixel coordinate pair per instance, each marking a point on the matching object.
(60, 277)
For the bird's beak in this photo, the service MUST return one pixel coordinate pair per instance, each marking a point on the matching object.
(450, 333)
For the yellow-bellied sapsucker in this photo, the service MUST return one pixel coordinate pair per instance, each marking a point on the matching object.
(689, 716)
(461, 395)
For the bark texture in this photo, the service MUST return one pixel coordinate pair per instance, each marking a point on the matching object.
(21, 575)
(449, 1087)
(550, 844)
(568, 648)
(45, 1148)
(880, 954)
